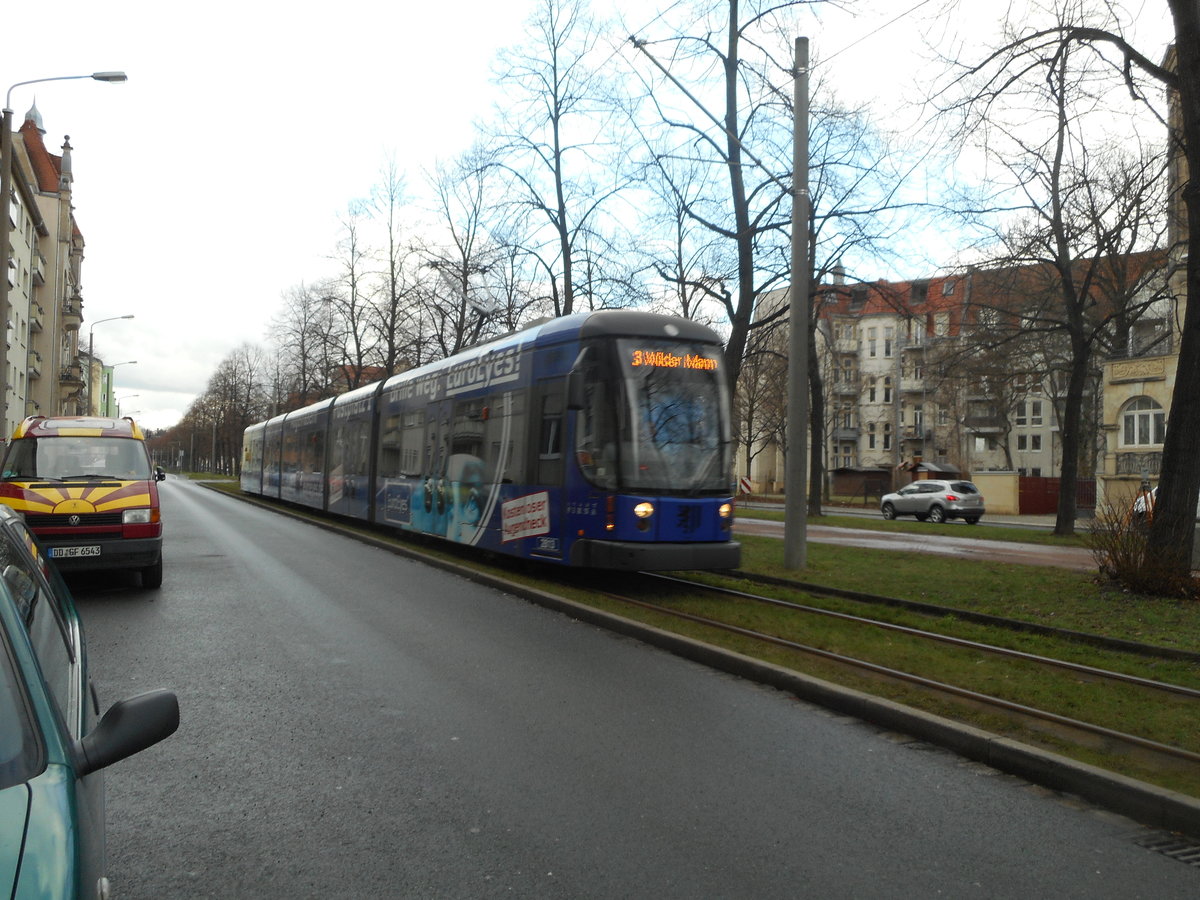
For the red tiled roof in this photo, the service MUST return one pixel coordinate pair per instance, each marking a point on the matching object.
(46, 166)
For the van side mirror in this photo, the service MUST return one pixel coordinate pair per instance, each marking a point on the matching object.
(160, 473)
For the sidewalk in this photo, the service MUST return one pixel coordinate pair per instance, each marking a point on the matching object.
(1021, 521)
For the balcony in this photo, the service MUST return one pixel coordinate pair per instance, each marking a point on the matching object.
(35, 365)
(36, 314)
(72, 314)
(984, 424)
(39, 268)
(844, 434)
(71, 376)
(916, 433)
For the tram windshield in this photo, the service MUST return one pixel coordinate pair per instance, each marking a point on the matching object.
(664, 427)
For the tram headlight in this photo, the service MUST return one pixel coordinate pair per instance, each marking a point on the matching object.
(644, 510)
(725, 513)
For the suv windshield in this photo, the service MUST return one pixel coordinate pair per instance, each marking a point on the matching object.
(77, 457)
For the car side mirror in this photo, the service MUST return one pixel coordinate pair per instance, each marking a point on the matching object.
(129, 727)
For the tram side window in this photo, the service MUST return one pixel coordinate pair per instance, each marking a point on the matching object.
(596, 436)
(389, 446)
(549, 450)
(291, 452)
(313, 459)
(412, 436)
(505, 437)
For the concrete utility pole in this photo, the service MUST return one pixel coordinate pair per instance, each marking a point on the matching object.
(795, 530)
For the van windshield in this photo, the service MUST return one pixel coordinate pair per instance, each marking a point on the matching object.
(65, 458)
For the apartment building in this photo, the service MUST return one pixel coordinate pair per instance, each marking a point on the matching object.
(44, 374)
(942, 374)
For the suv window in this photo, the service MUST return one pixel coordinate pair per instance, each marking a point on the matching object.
(964, 487)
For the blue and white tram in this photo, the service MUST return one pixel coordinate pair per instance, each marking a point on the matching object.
(598, 439)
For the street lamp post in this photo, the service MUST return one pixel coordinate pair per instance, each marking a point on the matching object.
(6, 187)
(92, 356)
(110, 382)
(121, 400)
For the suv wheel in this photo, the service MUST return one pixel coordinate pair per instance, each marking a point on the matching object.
(937, 515)
(889, 511)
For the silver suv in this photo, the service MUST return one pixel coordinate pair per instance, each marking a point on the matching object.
(936, 501)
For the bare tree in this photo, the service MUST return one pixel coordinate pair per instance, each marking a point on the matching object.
(309, 339)
(392, 312)
(1075, 208)
(554, 138)
(350, 297)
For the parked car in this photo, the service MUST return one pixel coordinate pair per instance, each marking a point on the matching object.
(936, 501)
(52, 749)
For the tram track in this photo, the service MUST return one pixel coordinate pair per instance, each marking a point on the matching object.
(1059, 727)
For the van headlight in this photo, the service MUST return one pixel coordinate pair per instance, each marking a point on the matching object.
(136, 517)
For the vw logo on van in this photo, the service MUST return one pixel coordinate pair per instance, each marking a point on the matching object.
(74, 520)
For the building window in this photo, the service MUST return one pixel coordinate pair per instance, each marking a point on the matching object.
(887, 390)
(1143, 422)
(872, 342)
(871, 392)
(941, 324)
(889, 336)
(871, 436)
(887, 436)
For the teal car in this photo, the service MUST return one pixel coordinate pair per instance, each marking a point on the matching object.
(52, 748)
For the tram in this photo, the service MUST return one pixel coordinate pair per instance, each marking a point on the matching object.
(598, 439)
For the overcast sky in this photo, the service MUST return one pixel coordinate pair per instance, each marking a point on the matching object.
(211, 182)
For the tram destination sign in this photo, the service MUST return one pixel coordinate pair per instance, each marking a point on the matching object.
(665, 359)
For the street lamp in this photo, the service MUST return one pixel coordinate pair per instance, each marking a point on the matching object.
(6, 187)
(121, 400)
(108, 386)
(92, 356)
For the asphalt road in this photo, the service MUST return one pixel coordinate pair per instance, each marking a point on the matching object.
(358, 725)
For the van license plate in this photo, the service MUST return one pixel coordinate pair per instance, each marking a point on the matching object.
(68, 552)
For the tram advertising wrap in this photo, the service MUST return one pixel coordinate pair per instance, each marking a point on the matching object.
(599, 439)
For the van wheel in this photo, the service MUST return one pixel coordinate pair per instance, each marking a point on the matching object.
(937, 515)
(152, 576)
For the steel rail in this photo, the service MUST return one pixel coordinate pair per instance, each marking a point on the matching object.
(920, 681)
(1049, 661)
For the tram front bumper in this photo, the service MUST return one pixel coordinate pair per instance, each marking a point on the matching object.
(634, 556)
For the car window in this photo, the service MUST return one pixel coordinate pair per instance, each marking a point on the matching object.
(43, 616)
(930, 488)
(964, 487)
(20, 749)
